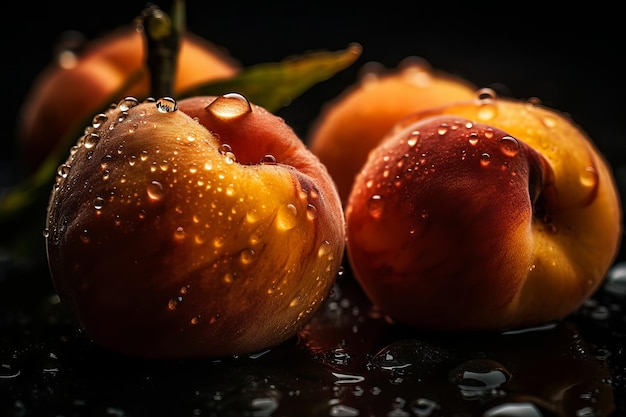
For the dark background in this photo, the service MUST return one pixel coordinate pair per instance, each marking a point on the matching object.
(570, 58)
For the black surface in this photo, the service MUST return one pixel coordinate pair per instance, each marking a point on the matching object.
(349, 361)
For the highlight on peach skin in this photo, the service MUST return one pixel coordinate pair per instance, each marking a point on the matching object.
(353, 123)
(198, 228)
(57, 106)
(487, 214)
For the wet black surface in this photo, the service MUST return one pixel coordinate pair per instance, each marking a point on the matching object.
(350, 360)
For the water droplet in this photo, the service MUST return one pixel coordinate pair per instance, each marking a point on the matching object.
(347, 378)
(486, 94)
(413, 138)
(226, 150)
(247, 256)
(98, 119)
(324, 249)
(166, 105)
(155, 190)
(46, 232)
(91, 140)
(443, 129)
(179, 233)
(589, 177)
(311, 212)
(268, 160)
(230, 106)
(195, 320)
(174, 302)
(480, 377)
(375, 206)
(84, 236)
(286, 218)
(127, 103)
(63, 171)
(98, 203)
(423, 407)
(484, 159)
(219, 241)
(473, 138)
(509, 146)
(342, 410)
(521, 409)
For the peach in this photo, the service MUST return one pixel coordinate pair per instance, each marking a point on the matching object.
(483, 215)
(352, 124)
(109, 68)
(198, 228)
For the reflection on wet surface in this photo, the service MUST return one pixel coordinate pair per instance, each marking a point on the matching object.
(348, 361)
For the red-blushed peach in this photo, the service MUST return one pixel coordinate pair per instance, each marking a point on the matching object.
(198, 228)
(76, 85)
(353, 123)
(484, 215)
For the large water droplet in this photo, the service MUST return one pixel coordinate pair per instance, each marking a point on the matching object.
(589, 177)
(98, 203)
(98, 119)
(127, 103)
(230, 106)
(166, 105)
(477, 378)
(286, 218)
(155, 190)
(91, 140)
(509, 146)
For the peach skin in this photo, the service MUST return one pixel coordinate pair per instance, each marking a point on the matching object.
(198, 228)
(353, 123)
(483, 215)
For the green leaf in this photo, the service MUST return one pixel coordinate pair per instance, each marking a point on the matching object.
(276, 85)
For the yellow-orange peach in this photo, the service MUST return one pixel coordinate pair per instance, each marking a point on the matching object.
(353, 123)
(484, 215)
(198, 228)
(69, 90)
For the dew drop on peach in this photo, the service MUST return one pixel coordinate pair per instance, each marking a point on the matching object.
(179, 233)
(247, 256)
(127, 103)
(230, 106)
(98, 203)
(166, 105)
(98, 119)
(155, 190)
(268, 160)
(375, 206)
(413, 138)
(589, 177)
(286, 217)
(485, 159)
(311, 212)
(509, 146)
(174, 302)
(325, 249)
